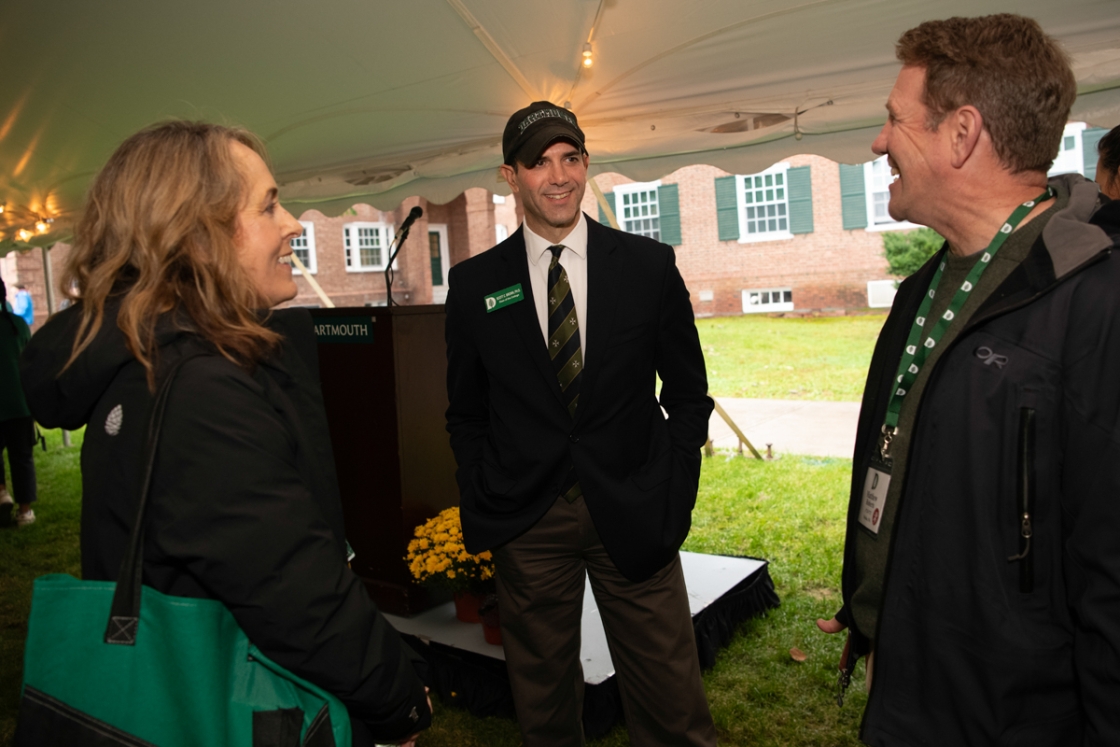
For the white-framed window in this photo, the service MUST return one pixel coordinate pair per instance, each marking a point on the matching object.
(1071, 155)
(763, 200)
(501, 233)
(767, 299)
(498, 199)
(366, 246)
(638, 208)
(303, 246)
(877, 180)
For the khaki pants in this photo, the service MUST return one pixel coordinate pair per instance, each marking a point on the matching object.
(648, 626)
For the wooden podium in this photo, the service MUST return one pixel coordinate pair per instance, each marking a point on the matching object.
(384, 375)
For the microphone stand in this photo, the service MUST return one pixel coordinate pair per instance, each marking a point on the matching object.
(395, 248)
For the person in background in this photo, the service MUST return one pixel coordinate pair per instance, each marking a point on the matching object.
(181, 248)
(17, 429)
(982, 565)
(1108, 164)
(22, 304)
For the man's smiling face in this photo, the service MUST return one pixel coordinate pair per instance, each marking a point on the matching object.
(913, 150)
(551, 189)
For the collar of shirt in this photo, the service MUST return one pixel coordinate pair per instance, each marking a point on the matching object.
(537, 246)
(574, 259)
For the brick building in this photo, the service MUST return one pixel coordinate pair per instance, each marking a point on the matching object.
(768, 242)
(803, 235)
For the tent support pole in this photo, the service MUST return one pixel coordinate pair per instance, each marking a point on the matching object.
(603, 204)
(312, 282)
(48, 282)
(738, 433)
(48, 279)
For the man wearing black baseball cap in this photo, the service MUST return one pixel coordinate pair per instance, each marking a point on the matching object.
(565, 472)
(537, 126)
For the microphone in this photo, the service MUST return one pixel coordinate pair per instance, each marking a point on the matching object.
(413, 214)
(402, 234)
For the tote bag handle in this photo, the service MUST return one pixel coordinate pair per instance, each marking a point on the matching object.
(124, 615)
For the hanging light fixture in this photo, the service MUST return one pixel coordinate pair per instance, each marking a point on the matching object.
(588, 61)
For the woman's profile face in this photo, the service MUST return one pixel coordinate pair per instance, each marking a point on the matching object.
(264, 231)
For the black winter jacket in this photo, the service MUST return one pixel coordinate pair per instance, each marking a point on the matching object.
(1021, 413)
(244, 505)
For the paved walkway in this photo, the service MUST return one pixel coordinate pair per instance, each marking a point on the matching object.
(792, 426)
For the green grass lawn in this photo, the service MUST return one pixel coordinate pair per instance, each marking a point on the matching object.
(790, 511)
(50, 545)
(822, 358)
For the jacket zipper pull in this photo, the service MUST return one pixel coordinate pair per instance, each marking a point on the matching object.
(844, 679)
(1025, 532)
(842, 682)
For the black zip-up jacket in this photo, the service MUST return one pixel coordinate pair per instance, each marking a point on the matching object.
(986, 637)
(244, 504)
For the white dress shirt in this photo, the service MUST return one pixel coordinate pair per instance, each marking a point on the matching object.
(574, 260)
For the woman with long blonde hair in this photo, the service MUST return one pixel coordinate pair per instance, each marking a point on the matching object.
(180, 250)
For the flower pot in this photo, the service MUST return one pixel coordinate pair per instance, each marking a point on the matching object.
(492, 633)
(466, 606)
(491, 625)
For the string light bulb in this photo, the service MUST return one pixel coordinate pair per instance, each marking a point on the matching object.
(41, 226)
(588, 61)
(1, 207)
(24, 234)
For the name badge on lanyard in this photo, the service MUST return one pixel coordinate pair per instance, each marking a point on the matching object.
(874, 498)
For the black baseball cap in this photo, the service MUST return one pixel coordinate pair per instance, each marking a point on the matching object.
(532, 129)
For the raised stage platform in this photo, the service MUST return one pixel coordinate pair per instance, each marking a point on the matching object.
(469, 672)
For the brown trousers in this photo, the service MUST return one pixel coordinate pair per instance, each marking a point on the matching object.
(648, 626)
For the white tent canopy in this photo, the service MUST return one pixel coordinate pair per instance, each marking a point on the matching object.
(376, 100)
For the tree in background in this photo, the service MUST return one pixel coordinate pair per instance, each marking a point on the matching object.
(906, 252)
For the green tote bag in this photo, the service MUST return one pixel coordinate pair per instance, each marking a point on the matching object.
(110, 664)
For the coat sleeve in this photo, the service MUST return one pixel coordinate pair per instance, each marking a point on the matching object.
(233, 512)
(468, 411)
(1091, 497)
(684, 383)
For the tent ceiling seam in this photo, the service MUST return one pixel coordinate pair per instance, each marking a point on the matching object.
(492, 47)
(590, 38)
(696, 40)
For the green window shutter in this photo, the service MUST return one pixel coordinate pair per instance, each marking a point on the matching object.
(853, 197)
(727, 209)
(669, 209)
(602, 215)
(800, 199)
(1089, 140)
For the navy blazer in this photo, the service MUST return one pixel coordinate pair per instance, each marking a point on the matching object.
(512, 435)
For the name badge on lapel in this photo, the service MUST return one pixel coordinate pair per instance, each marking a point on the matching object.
(504, 297)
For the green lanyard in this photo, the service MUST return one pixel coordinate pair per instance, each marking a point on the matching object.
(914, 356)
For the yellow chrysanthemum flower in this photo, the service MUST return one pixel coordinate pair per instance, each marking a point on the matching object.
(437, 552)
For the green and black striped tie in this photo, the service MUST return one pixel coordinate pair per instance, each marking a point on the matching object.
(564, 349)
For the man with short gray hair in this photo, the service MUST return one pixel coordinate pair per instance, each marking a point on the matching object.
(982, 567)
